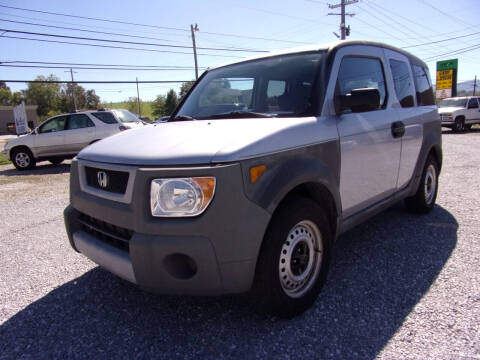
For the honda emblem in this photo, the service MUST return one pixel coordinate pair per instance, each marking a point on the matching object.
(102, 179)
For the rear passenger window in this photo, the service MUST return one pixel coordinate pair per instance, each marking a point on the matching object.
(473, 104)
(105, 117)
(275, 89)
(361, 72)
(402, 82)
(423, 87)
(79, 121)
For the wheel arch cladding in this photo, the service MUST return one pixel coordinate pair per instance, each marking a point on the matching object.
(312, 172)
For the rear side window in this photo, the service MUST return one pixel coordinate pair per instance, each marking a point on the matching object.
(275, 90)
(423, 87)
(79, 121)
(105, 117)
(473, 104)
(402, 82)
(361, 72)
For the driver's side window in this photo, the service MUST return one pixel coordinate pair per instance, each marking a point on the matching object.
(53, 125)
(473, 104)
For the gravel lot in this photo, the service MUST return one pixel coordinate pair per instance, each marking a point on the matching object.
(401, 286)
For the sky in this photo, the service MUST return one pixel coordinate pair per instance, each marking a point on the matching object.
(226, 24)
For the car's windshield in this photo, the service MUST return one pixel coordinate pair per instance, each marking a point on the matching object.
(276, 86)
(125, 116)
(453, 103)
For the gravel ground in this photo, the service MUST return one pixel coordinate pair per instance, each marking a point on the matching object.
(401, 286)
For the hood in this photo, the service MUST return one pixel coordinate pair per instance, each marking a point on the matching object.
(449, 109)
(203, 141)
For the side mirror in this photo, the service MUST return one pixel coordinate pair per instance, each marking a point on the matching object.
(358, 100)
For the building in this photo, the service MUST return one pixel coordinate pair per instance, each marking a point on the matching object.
(7, 122)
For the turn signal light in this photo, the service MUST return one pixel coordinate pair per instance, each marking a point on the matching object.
(256, 172)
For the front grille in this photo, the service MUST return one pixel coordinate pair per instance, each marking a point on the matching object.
(111, 234)
(445, 117)
(116, 181)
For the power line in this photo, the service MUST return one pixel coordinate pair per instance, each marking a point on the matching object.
(90, 64)
(151, 26)
(97, 82)
(114, 47)
(455, 52)
(91, 68)
(439, 41)
(127, 42)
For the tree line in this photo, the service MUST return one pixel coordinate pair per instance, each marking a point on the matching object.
(54, 98)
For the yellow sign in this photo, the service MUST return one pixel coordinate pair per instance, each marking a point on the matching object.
(444, 79)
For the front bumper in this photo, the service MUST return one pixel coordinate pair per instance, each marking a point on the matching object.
(212, 254)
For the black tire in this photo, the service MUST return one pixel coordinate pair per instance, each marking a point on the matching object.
(56, 161)
(459, 125)
(23, 159)
(467, 127)
(424, 199)
(306, 221)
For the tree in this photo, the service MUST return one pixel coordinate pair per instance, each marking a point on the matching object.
(5, 96)
(171, 102)
(185, 87)
(158, 106)
(92, 99)
(132, 104)
(45, 95)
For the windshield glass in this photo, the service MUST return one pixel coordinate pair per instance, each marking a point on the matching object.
(125, 116)
(453, 103)
(268, 87)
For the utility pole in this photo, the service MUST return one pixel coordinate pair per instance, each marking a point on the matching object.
(138, 101)
(193, 29)
(474, 85)
(344, 30)
(73, 89)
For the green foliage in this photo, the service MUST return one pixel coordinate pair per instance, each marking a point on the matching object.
(158, 107)
(7, 98)
(185, 88)
(3, 161)
(92, 100)
(171, 102)
(45, 96)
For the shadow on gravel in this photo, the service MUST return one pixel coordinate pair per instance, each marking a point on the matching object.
(43, 168)
(380, 272)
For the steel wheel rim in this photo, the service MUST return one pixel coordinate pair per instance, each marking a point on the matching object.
(430, 184)
(300, 259)
(22, 159)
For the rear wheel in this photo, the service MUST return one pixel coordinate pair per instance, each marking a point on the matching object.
(294, 259)
(424, 199)
(23, 159)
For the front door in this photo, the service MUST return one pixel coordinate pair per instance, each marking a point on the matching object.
(370, 155)
(50, 137)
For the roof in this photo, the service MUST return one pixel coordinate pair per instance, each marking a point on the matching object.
(331, 46)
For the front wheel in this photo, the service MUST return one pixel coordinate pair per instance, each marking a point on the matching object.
(459, 125)
(424, 199)
(23, 159)
(294, 259)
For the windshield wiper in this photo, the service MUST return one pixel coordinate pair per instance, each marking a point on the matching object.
(241, 114)
(181, 118)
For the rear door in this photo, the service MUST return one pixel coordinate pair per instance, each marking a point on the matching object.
(473, 114)
(407, 114)
(370, 155)
(50, 137)
(79, 132)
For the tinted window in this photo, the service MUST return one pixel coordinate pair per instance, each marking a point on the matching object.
(274, 86)
(275, 90)
(361, 72)
(423, 86)
(473, 104)
(79, 121)
(56, 124)
(402, 82)
(105, 117)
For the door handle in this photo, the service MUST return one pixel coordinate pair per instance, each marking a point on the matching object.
(398, 129)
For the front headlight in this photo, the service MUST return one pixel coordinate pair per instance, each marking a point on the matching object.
(181, 197)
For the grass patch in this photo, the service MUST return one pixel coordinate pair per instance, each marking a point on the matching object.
(4, 161)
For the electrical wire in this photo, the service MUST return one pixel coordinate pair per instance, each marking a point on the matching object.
(90, 64)
(91, 68)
